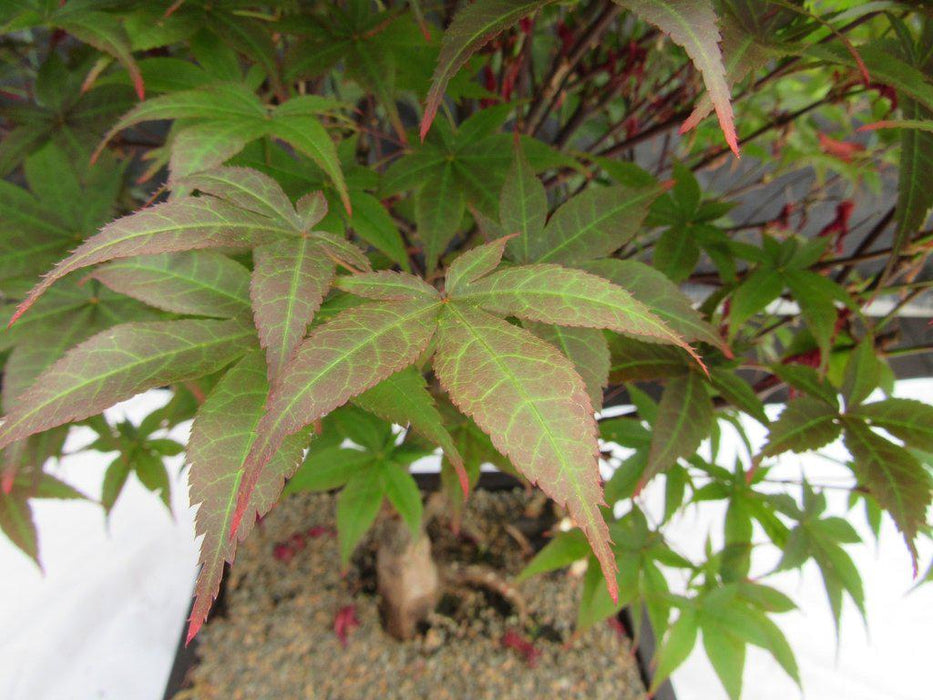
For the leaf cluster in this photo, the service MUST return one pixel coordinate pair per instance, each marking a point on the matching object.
(346, 236)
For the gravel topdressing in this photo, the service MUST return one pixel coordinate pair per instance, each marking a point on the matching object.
(275, 636)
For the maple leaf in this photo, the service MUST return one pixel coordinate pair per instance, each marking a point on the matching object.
(804, 424)
(512, 639)
(119, 363)
(341, 359)
(471, 28)
(197, 283)
(290, 279)
(555, 294)
(692, 25)
(653, 289)
(387, 286)
(229, 115)
(404, 399)
(221, 436)
(186, 224)
(587, 348)
(907, 419)
(594, 224)
(683, 421)
(527, 397)
(474, 264)
(843, 150)
(894, 477)
(344, 622)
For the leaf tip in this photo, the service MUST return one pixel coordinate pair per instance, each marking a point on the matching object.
(20, 310)
(731, 138)
(430, 111)
(465, 479)
(139, 85)
(194, 626)
(97, 151)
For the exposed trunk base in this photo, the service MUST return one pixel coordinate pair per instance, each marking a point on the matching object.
(407, 579)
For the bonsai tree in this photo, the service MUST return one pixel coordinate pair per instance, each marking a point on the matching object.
(483, 222)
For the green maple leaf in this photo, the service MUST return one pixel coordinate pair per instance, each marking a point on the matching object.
(59, 209)
(684, 418)
(472, 27)
(907, 419)
(404, 399)
(439, 205)
(237, 116)
(522, 208)
(897, 479)
(65, 113)
(16, 519)
(821, 539)
(805, 424)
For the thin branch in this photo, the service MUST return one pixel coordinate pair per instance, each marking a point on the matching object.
(563, 66)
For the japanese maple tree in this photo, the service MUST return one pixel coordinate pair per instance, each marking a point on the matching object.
(485, 222)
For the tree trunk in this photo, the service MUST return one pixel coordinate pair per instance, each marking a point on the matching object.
(407, 578)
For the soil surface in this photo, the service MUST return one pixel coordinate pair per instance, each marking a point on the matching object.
(286, 600)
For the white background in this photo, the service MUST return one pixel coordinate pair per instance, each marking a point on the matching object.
(105, 618)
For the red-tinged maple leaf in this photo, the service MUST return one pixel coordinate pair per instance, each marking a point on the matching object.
(566, 35)
(885, 91)
(344, 621)
(320, 531)
(616, 625)
(782, 221)
(843, 150)
(810, 358)
(513, 640)
(491, 84)
(838, 228)
(508, 80)
(283, 552)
